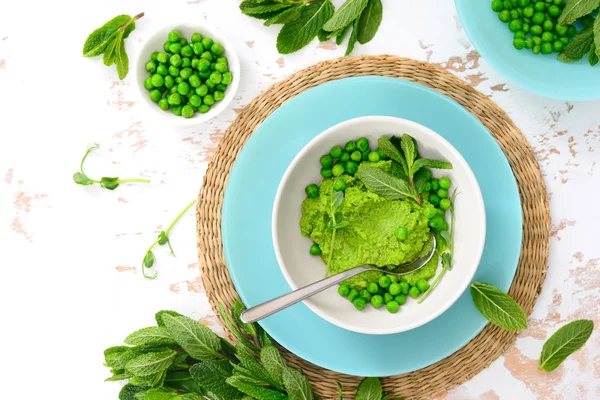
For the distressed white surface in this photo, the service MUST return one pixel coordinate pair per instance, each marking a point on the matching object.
(62, 295)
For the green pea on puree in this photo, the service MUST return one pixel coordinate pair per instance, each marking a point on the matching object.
(369, 238)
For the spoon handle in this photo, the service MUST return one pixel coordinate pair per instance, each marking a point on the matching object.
(270, 307)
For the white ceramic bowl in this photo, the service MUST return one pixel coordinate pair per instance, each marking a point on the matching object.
(300, 268)
(155, 43)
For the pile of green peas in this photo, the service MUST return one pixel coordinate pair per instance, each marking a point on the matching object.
(436, 193)
(535, 25)
(188, 77)
(388, 289)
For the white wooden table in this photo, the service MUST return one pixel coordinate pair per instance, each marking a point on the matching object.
(71, 285)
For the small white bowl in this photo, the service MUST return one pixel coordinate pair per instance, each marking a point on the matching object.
(300, 268)
(155, 43)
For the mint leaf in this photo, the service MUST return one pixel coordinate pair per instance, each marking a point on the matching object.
(286, 16)
(575, 9)
(98, 40)
(109, 183)
(196, 339)
(342, 34)
(385, 185)
(159, 316)
(253, 7)
(336, 201)
(426, 162)
(109, 52)
(407, 144)
(256, 369)
(340, 394)
(121, 59)
(579, 46)
(353, 38)
(498, 307)
(420, 179)
(388, 148)
(596, 29)
(254, 391)
(236, 310)
(119, 360)
(118, 376)
(297, 386)
(112, 355)
(81, 179)
(369, 389)
(157, 394)
(593, 55)
(369, 21)
(348, 12)
(212, 375)
(273, 362)
(297, 34)
(150, 363)
(128, 392)
(155, 380)
(234, 329)
(565, 342)
(155, 335)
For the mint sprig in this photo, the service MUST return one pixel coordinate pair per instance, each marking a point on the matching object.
(575, 9)
(298, 33)
(586, 41)
(498, 307)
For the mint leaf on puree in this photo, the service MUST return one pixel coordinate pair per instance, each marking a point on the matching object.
(565, 342)
(369, 21)
(196, 339)
(575, 9)
(297, 34)
(388, 148)
(498, 307)
(348, 12)
(429, 163)
(384, 184)
(369, 389)
(579, 46)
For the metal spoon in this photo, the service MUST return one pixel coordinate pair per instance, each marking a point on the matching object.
(277, 304)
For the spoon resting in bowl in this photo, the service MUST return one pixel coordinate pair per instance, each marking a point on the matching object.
(277, 304)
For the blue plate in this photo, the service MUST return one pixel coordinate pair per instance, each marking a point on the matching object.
(251, 192)
(541, 74)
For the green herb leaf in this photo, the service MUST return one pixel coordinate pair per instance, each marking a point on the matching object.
(336, 201)
(369, 21)
(212, 375)
(385, 185)
(429, 163)
(148, 259)
(112, 355)
(593, 54)
(420, 179)
(579, 46)
(234, 329)
(109, 52)
(286, 16)
(118, 376)
(154, 335)
(565, 342)
(273, 362)
(128, 392)
(575, 9)
(248, 361)
(99, 40)
(120, 360)
(109, 183)
(257, 392)
(369, 389)
(155, 380)
(253, 7)
(342, 34)
(407, 144)
(340, 393)
(263, 337)
(121, 59)
(297, 34)
(196, 339)
(297, 386)
(150, 363)
(82, 179)
(596, 29)
(498, 307)
(353, 38)
(158, 394)
(388, 148)
(159, 316)
(236, 311)
(348, 12)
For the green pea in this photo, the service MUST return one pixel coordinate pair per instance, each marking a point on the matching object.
(148, 83)
(565, 40)
(337, 170)
(374, 156)
(554, 11)
(151, 66)
(326, 172)
(365, 294)
(335, 152)
(443, 193)
(312, 190)
(497, 5)
(537, 49)
(203, 65)
(157, 80)
(350, 146)
(440, 212)
(208, 100)
(444, 226)
(377, 301)
(401, 233)
(221, 67)
(558, 46)
(183, 88)
(445, 182)
(504, 16)
(538, 18)
(351, 167)
(382, 156)
(315, 250)
(163, 104)
(204, 75)
(373, 287)
(360, 303)
(435, 184)
(176, 109)
(423, 285)
(404, 287)
(526, 28)
(186, 62)
(202, 90)
(187, 51)
(166, 46)
(515, 25)
(546, 37)
(561, 30)
(203, 109)
(558, 2)
(218, 95)
(195, 100)
(339, 185)
(387, 297)
(326, 161)
(571, 31)
(436, 222)
(362, 144)
(195, 81)
(445, 204)
(429, 211)
(207, 55)
(174, 99)
(183, 41)
(356, 156)
(548, 26)
(217, 49)
(384, 282)
(221, 88)
(414, 292)
(216, 77)
(344, 289)
(540, 6)
(227, 78)
(392, 306)
(537, 41)
(434, 199)
(352, 295)
(175, 48)
(519, 44)
(187, 111)
(207, 42)
(364, 156)
(213, 66)
(186, 73)
(520, 35)
(536, 30)
(173, 90)
(155, 95)
(174, 36)
(514, 14)
(427, 187)
(345, 157)
(363, 284)
(395, 289)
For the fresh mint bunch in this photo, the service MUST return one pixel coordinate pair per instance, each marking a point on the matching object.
(587, 41)
(303, 20)
(109, 183)
(109, 40)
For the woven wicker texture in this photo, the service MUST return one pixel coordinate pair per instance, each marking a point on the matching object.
(492, 341)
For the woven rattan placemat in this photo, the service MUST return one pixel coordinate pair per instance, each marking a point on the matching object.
(492, 341)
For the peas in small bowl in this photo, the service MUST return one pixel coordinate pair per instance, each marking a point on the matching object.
(187, 73)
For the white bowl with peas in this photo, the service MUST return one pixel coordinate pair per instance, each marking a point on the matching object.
(301, 267)
(187, 74)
